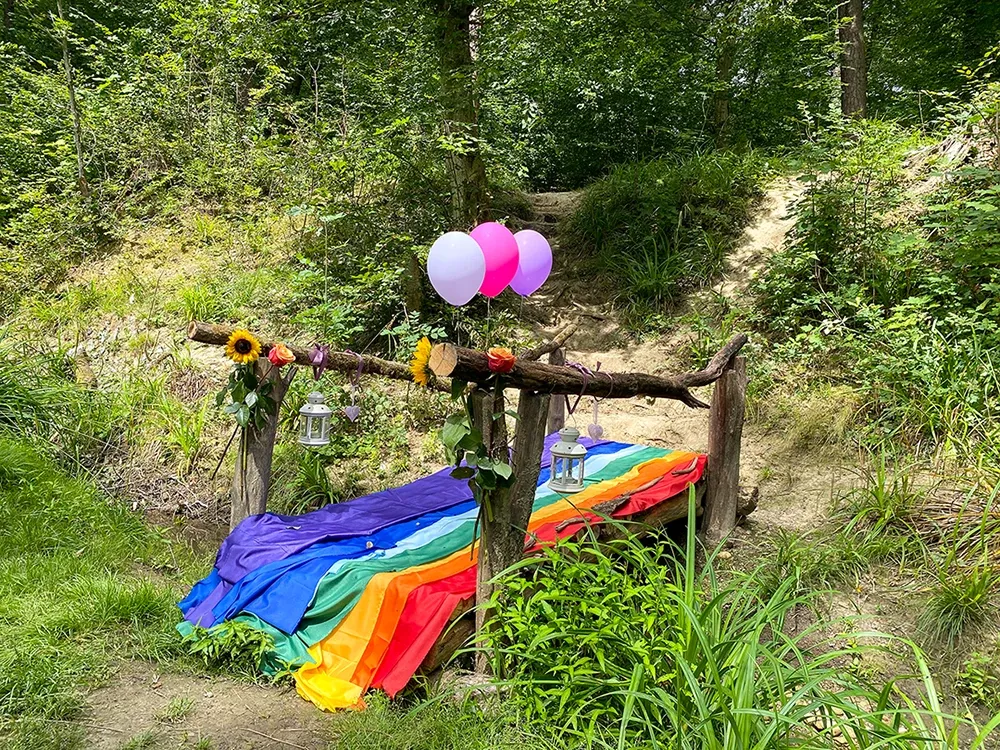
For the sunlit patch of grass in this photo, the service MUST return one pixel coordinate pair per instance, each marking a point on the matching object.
(73, 594)
(960, 602)
(433, 725)
(177, 709)
(885, 502)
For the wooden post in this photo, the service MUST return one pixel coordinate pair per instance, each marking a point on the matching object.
(557, 406)
(725, 432)
(251, 483)
(502, 537)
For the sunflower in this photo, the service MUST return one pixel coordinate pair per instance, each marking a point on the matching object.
(419, 365)
(243, 347)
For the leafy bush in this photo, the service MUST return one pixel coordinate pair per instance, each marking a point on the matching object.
(664, 226)
(903, 311)
(632, 647)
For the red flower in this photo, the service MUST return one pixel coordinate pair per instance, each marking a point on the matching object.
(280, 355)
(500, 360)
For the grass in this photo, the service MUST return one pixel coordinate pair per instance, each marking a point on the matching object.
(177, 709)
(437, 724)
(960, 602)
(82, 582)
(659, 228)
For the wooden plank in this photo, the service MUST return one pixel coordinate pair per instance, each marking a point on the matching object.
(462, 625)
(722, 474)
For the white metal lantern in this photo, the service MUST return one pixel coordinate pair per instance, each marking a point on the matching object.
(314, 421)
(567, 462)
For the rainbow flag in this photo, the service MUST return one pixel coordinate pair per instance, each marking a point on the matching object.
(356, 594)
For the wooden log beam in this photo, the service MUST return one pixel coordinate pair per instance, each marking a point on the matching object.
(473, 366)
(561, 337)
(218, 335)
(527, 375)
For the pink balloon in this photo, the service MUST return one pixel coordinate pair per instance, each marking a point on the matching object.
(500, 249)
(535, 262)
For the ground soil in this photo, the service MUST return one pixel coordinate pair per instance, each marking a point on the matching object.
(232, 715)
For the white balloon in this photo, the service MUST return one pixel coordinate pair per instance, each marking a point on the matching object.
(456, 267)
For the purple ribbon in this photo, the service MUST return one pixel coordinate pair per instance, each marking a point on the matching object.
(319, 357)
(586, 381)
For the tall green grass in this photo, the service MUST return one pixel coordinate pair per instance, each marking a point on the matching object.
(635, 647)
(82, 581)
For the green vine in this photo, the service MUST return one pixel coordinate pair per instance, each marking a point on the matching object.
(473, 459)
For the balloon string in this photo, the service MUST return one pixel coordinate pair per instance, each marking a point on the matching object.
(489, 332)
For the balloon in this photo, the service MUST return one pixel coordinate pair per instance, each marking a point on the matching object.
(500, 249)
(535, 262)
(456, 266)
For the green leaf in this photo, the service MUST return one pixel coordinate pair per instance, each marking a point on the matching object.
(463, 472)
(452, 434)
(457, 388)
(251, 399)
(503, 470)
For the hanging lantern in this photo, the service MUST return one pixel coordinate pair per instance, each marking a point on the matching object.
(567, 462)
(314, 421)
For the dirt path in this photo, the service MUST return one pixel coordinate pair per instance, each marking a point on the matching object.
(795, 487)
(153, 710)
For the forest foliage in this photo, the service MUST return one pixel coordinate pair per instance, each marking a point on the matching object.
(335, 114)
(308, 149)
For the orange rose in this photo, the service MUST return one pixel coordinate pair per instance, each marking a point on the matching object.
(500, 360)
(280, 355)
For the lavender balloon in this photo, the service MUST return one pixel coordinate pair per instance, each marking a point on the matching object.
(456, 267)
(535, 262)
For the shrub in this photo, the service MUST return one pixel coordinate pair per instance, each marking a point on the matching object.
(632, 647)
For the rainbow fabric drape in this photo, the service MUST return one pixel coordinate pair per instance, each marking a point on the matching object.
(356, 594)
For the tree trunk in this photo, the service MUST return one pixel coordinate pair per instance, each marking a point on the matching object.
(252, 480)
(8, 15)
(725, 434)
(853, 65)
(464, 162)
(81, 179)
(502, 537)
(722, 97)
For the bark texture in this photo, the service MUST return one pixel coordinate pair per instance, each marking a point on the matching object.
(464, 162)
(502, 536)
(528, 375)
(74, 110)
(725, 433)
(252, 481)
(853, 59)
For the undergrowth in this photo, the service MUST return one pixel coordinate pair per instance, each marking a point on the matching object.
(634, 646)
(661, 228)
(83, 581)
